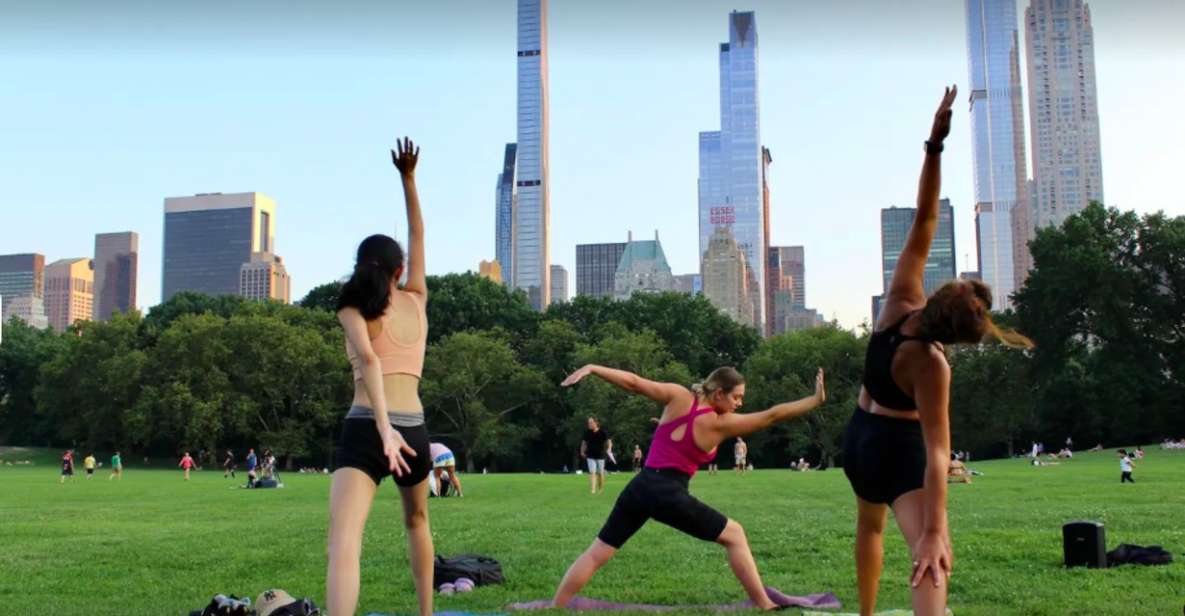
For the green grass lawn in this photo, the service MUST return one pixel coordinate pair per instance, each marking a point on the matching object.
(155, 545)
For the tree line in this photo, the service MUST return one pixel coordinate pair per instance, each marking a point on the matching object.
(1105, 304)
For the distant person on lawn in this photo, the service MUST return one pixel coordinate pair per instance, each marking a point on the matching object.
(116, 467)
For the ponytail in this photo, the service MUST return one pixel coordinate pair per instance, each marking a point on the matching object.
(1008, 337)
(380, 259)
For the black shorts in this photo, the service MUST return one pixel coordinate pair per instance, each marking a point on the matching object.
(360, 447)
(883, 457)
(660, 494)
(67, 472)
(90, 471)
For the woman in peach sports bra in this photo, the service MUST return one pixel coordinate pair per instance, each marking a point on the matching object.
(383, 434)
(693, 424)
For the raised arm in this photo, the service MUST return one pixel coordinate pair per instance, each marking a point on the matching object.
(906, 285)
(659, 392)
(743, 424)
(405, 156)
(933, 552)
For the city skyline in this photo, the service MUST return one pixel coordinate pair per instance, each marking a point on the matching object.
(336, 184)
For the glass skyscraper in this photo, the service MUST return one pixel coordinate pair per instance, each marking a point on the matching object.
(998, 145)
(596, 268)
(940, 266)
(1064, 103)
(208, 238)
(504, 219)
(730, 170)
(532, 215)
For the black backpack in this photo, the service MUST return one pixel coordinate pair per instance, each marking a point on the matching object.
(481, 569)
(1127, 554)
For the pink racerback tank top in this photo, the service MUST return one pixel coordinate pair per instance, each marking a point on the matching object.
(684, 456)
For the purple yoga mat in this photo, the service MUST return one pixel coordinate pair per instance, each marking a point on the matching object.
(823, 600)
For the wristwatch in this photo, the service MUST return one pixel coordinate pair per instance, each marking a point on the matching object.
(933, 148)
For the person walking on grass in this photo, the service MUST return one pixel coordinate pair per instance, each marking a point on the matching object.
(88, 464)
(186, 464)
(897, 444)
(1126, 465)
(228, 465)
(694, 423)
(67, 466)
(116, 467)
(383, 434)
(637, 458)
(593, 446)
(740, 454)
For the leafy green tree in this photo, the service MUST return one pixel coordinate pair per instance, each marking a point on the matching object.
(291, 384)
(322, 297)
(1105, 303)
(188, 303)
(782, 369)
(24, 351)
(88, 387)
(463, 302)
(186, 393)
(474, 390)
(696, 332)
(992, 409)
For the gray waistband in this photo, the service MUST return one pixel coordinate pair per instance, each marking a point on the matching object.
(399, 419)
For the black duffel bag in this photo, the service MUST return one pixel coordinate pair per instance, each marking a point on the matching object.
(481, 569)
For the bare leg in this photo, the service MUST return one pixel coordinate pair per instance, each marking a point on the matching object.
(740, 558)
(436, 473)
(870, 548)
(349, 505)
(419, 542)
(602, 474)
(909, 510)
(582, 571)
(454, 479)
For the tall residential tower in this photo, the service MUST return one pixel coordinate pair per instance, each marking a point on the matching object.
(532, 215)
(1064, 103)
(732, 207)
(997, 142)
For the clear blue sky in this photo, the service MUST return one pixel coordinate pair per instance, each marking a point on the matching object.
(108, 108)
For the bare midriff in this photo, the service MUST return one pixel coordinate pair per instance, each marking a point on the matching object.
(867, 404)
(401, 390)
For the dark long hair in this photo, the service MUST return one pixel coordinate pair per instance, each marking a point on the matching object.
(380, 258)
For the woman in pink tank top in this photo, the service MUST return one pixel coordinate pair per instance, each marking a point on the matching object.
(693, 425)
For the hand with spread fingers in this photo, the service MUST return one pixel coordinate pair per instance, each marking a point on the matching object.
(405, 156)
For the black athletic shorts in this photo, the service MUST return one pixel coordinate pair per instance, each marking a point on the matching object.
(360, 447)
(660, 493)
(883, 457)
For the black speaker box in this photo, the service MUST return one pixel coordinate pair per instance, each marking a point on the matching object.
(1084, 544)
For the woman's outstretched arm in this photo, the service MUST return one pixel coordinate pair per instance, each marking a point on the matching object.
(659, 392)
(911, 265)
(405, 156)
(743, 424)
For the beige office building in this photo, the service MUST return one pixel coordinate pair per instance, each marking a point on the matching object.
(490, 270)
(265, 277)
(69, 292)
(1064, 109)
(726, 277)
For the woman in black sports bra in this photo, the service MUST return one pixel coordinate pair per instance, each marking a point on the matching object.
(897, 444)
